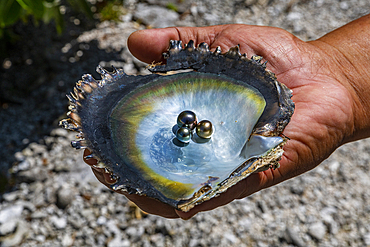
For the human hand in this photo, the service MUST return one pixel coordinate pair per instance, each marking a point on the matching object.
(326, 105)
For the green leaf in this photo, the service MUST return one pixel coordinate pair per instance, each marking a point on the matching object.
(34, 7)
(82, 6)
(52, 12)
(10, 11)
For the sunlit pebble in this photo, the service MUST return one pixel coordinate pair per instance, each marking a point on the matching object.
(62, 9)
(79, 53)
(84, 46)
(76, 22)
(29, 61)
(25, 141)
(93, 9)
(66, 47)
(344, 5)
(7, 64)
(72, 59)
(72, 33)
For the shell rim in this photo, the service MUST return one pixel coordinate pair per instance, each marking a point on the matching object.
(175, 52)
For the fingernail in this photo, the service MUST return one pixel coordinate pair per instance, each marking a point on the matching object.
(182, 215)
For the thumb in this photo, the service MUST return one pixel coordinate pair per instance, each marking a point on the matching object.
(148, 45)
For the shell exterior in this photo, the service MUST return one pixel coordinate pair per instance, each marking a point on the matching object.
(123, 120)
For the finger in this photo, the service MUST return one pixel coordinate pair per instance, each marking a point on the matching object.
(99, 174)
(90, 162)
(271, 43)
(148, 45)
(152, 206)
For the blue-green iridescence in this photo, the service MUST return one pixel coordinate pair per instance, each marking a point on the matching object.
(141, 126)
(187, 119)
(184, 134)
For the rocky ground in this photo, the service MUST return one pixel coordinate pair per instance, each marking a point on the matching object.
(55, 200)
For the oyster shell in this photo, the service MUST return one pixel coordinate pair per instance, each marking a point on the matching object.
(130, 122)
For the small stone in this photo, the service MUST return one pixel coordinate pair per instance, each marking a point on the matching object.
(38, 196)
(19, 156)
(37, 148)
(317, 230)
(292, 237)
(27, 152)
(231, 237)
(32, 175)
(50, 195)
(119, 242)
(294, 16)
(40, 238)
(8, 227)
(344, 5)
(59, 223)
(155, 16)
(59, 132)
(22, 166)
(245, 223)
(158, 239)
(38, 214)
(194, 242)
(88, 214)
(76, 222)
(10, 213)
(61, 167)
(334, 166)
(101, 220)
(134, 232)
(11, 196)
(67, 240)
(367, 239)
(64, 197)
(17, 237)
(298, 190)
(262, 206)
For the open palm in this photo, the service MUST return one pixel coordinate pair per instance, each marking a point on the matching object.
(323, 113)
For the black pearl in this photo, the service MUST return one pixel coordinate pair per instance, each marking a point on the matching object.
(183, 134)
(187, 119)
(204, 129)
